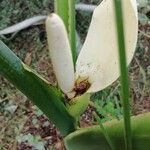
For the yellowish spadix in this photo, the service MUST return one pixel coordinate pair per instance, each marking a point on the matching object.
(60, 52)
(98, 59)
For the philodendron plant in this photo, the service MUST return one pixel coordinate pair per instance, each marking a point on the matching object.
(96, 67)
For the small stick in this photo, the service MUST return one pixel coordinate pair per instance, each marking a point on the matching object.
(85, 7)
(22, 25)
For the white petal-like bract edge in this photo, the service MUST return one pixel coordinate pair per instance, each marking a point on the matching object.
(98, 59)
(60, 52)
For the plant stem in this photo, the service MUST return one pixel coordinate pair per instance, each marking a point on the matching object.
(72, 29)
(104, 132)
(124, 73)
(61, 8)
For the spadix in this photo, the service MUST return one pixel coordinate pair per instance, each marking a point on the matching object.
(98, 59)
(60, 52)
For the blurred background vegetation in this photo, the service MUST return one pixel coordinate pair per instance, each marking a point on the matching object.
(23, 126)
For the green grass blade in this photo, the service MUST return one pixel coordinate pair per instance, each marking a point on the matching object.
(42, 94)
(72, 29)
(104, 131)
(124, 73)
(62, 9)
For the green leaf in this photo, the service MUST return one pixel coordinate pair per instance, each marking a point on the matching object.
(42, 94)
(62, 9)
(92, 138)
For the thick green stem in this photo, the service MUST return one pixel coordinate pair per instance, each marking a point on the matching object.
(62, 8)
(72, 29)
(42, 94)
(124, 73)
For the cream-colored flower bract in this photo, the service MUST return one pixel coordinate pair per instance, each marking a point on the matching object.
(98, 60)
(60, 52)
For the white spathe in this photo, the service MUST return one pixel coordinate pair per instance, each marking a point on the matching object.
(98, 59)
(60, 52)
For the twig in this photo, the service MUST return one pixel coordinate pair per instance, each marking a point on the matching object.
(145, 34)
(22, 25)
(144, 78)
(10, 38)
(85, 7)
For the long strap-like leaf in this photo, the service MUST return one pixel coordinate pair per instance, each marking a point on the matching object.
(43, 95)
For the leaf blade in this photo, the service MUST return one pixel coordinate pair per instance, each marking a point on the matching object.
(93, 138)
(46, 97)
